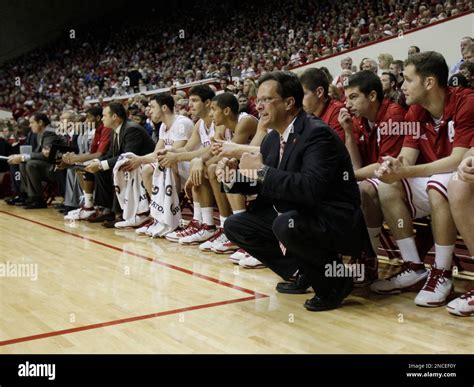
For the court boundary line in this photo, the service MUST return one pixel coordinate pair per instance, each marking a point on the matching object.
(254, 295)
(63, 332)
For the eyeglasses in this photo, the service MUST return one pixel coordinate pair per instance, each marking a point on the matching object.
(266, 101)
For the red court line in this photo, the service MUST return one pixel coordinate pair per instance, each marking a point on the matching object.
(150, 259)
(121, 321)
(255, 295)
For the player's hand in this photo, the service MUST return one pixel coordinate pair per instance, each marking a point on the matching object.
(466, 169)
(225, 148)
(161, 152)
(250, 163)
(216, 146)
(226, 169)
(391, 170)
(93, 167)
(168, 159)
(14, 159)
(69, 158)
(131, 164)
(196, 171)
(345, 120)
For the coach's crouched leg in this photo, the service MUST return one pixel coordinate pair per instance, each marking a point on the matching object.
(305, 238)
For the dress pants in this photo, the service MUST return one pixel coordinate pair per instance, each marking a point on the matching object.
(33, 173)
(105, 191)
(73, 191)
(311, 241)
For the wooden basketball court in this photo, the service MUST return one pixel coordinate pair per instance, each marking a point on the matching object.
(86, 289)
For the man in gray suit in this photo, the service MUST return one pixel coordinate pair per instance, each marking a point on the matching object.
(36, 167)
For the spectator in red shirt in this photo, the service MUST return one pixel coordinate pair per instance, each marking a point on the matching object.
(374, 131)
(317, 102)
(99, 146)
(442, 124)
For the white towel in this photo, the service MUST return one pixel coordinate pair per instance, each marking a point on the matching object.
(164, 206)
(130, 190)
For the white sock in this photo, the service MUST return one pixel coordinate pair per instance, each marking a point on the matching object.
(238, 211)
(443, 256)
(197, 215)
(222, 219)
(88, 200)
(207, 215)
(374, 234)
(408, 250)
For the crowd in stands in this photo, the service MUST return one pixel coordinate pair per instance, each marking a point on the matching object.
(186, 45)
(404, 124)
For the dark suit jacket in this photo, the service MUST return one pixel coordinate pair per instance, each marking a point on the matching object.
(45, 140)
(315, 169)
(314, 177)
(132, 138)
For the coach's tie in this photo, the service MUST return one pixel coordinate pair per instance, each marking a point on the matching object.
(115, 145)
(282, 149)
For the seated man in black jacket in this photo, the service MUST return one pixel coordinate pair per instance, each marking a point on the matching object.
(36, 167)
(126, 136)
(307, 211)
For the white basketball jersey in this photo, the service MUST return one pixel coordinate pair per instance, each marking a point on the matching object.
(206, 134)
(181, 129)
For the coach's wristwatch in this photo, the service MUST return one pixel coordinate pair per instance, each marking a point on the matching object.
(261, 173)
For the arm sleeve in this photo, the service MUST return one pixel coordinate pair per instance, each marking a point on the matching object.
(391, 144)
(47, 141)
(411, 141)
(102, 143)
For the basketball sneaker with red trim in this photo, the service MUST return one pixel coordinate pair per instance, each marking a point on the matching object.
(410, 278)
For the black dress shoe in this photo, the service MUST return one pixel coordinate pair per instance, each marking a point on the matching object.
(34, 205)
(299, 286)
(17, 200)
(100, 217)
(334, 299)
